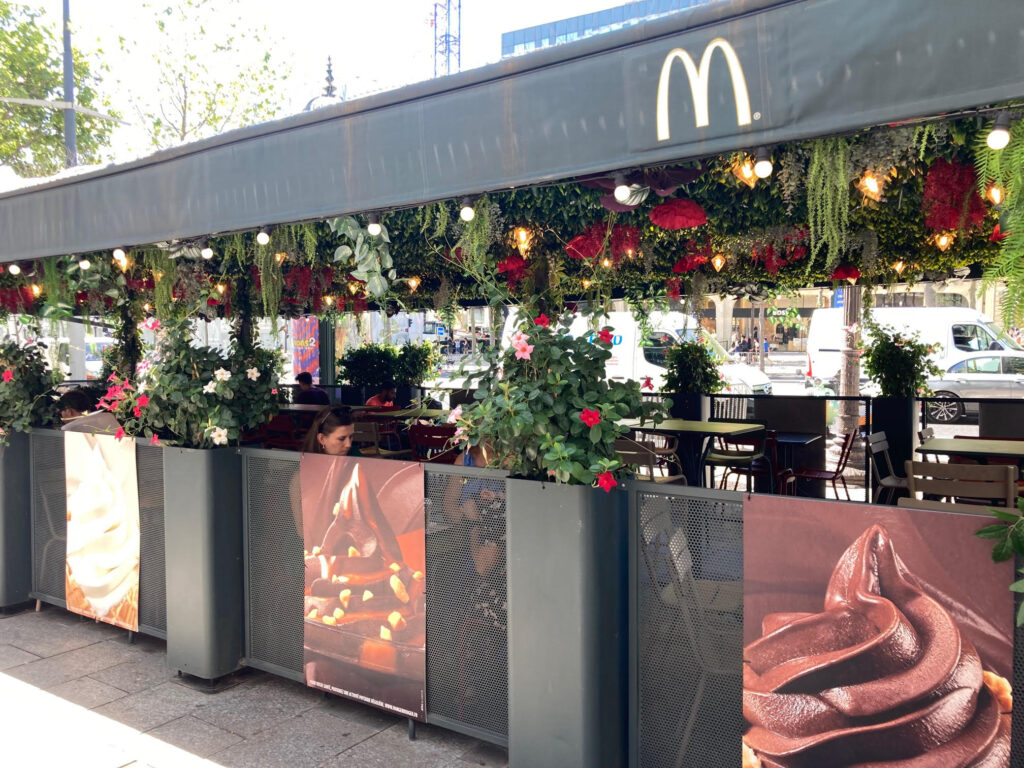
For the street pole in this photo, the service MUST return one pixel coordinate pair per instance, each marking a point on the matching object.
(70, 140)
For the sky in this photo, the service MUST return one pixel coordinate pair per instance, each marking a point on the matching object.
(375, 44)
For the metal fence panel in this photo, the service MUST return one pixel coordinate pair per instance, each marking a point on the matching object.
(49, 517)
(688, 626)
(152, 560)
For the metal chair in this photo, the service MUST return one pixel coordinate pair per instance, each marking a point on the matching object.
(647, 464)
(878, 445)
(736, 454)
(969, 487)
(433, 444)
(780, 479)
(832, 475)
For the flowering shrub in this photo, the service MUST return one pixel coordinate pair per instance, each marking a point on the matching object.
(898, 363)
(24, 387)
(195, 396)
(547, 410)
(693, 368)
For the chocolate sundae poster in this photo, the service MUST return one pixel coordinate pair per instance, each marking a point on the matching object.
(365, 557)
(102, 564)
(873, 635)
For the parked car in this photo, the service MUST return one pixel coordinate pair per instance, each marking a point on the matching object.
(993, 374)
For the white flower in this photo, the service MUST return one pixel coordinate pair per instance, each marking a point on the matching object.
(221, 375)
(219, 435)
(253, 374)
(210, 387)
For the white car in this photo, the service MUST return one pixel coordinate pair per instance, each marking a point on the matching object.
(995, 374)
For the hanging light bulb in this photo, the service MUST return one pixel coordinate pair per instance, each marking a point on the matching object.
(743, 169)
(280, 256)
(999, 136)
(523, 238)
(146, 307)
(763, 163)
(622, 190)
(263, 236)
(995, 194)
(606, 262)
(414, 283)
(84, 264)
(870, 186)
(467, 213)
(328, 300)
(36, 290)
(630, 254)
(14, 269)
(586, 283)
(373, 227)
(943, 240)
(718, 261)
(205, 250)
(353, 288)
(119, 254)
(221, 288)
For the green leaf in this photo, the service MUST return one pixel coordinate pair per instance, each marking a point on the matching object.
(1017, 586)
(992, 532)
(1002, 514)
(1003, 550)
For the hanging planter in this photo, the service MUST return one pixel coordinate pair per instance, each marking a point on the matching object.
(678, 214)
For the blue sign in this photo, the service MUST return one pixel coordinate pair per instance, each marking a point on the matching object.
(440, 330)
(838, 298)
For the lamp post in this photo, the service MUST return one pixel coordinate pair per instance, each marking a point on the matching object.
(70, 140)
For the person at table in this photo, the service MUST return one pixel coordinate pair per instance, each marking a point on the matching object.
(331, 433)
(308, 394)
(385, 397)
(76, 411)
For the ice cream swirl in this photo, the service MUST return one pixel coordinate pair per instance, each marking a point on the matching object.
(882, 677)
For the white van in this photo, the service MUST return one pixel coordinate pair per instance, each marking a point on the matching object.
(637, 358)
(957, 332)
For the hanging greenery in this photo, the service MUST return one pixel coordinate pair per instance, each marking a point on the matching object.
(828, 199)
(163, 270)
(271, 279)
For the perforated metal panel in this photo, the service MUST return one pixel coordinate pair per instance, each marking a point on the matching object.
(152, 570)
(273, 563)
(467, 624)
(689, 627)
(49, 517)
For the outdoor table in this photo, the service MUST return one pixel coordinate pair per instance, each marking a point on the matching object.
(692, 434)
(410, 413)
(974, 448)
(303, 408)
(790, 441)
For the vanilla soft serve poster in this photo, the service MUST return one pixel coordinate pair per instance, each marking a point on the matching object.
(102, 574)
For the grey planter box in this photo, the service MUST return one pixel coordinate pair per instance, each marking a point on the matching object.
(203, 540)
(15, 521)
(567, 628)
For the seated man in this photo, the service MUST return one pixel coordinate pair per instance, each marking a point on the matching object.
(308, 394)
(385, 397)
(75, 412)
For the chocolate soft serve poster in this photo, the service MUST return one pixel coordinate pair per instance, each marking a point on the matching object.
(873, 636)
(365, 597)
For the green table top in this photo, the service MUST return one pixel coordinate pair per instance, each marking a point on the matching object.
(973, 446)
(410, 413)
(699, 427)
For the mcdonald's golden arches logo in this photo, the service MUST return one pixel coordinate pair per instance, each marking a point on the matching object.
(698, 77)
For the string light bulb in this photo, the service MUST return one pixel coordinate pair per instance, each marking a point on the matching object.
(373, 227)
(523, 238)
(586, 283)
(898, 267)
(353, 288)
(467, 213)
(146, 307)
(84, 264)
(943, 240)
(119, 254)
(870, 186)
(414, 283)
(763, 163)
(718, 261)
(328, 300)
(999, 136)
(743, 169)
(263, 236)
(622, 190)
(606, 262)
(221, 288)
(14, 269)
(205, 250)
(36, 290)
(995, 194)
(280, 256)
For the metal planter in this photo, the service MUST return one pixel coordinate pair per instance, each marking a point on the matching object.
(567, 628)
(15, 521)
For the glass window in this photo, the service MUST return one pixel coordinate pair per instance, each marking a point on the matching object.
(972, 338)
(656, 347)
(960, 367)
(983, 365)
(1014, 365)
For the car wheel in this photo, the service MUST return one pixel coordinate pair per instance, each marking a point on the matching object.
(946, 409)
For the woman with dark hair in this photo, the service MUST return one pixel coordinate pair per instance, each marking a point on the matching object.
(331, 433)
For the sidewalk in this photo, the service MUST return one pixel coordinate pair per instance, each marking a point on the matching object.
(75, 693)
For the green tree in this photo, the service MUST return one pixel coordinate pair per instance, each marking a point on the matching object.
(32, 137)
(213, 72)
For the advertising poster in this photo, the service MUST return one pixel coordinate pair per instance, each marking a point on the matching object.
(365, 618)
(306, 346)
(873, 636)
(102, 573)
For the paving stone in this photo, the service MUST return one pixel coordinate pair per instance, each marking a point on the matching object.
(154, 707)
(483, 755)
(250, 709)
(195, 736)
(12, 657)
(53, 631)
(87, 692)
(55, 670)
(433, 748)
(144, 671)
(303, 741)
(355, 712)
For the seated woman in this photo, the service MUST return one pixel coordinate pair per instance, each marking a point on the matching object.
(331, 433)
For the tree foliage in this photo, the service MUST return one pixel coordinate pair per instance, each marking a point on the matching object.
(31, 67)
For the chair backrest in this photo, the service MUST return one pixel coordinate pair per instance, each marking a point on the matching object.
(878, 445)
(926, 434)
(636, 455)
(656, 441)
(992, 484)
(844, 455)
(365, 433)
(435, 444)
(944, 506)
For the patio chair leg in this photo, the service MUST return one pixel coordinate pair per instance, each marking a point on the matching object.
(846, 489)
(877, 493)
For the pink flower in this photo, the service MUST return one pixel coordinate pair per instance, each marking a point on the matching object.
(143, 401)
(273, 391)
(523, 352)
(589, 417)
(8, 375)
(455, 415)
(519, 339)
(460, 435)
(137, 412)
(112, 377)
(543, 321)
(154, 440)
(119, 435)
(605, 335)
(605, 481)
(648, 384)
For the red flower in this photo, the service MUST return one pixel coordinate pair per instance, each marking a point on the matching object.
(143, 401)
(154, 440)
(514, 269)
(845, 273)
(273, 391)
(588, 245)
(605, 335)
(625, 240)
(589, 417)
(997, 234)
(648, 384)
(8, 375)
(119, 435)
(605, 481)
(137, 412)
(678, 214)
(674, 288)
(689, 263)
(951, 199)
(542, 320)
